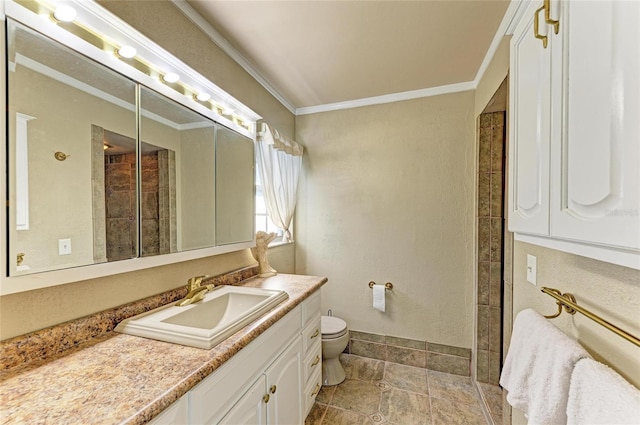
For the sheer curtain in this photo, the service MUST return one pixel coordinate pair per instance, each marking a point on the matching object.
(279, 162)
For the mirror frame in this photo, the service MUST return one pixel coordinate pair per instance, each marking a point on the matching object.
(100, 20)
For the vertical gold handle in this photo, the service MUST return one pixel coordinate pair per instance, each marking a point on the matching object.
(315, 334)
(536, 25)
(547, 18)
(316, 390)
(273, 389)
(315, 361)
(265, 398)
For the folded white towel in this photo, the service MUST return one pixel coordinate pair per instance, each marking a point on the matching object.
(538, 368)
(598, 396)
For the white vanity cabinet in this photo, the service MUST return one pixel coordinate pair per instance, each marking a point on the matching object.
(276, 397)
(574, 156)
(264, 383)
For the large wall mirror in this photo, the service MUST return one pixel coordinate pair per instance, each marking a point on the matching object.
(103, 169)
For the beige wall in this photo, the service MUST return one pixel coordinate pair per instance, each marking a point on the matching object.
(387, 194)
(28, 311)
(493, 76)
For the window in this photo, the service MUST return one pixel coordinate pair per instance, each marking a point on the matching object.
(263, 222)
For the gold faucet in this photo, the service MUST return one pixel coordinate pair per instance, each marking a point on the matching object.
(196, 291)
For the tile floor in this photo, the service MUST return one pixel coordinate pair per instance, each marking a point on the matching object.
(379, 392)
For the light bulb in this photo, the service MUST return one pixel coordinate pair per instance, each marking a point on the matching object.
(64, 13)
(203, 97)
(171, 77)
(127, 52)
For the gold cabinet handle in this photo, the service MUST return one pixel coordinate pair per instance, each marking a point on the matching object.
(273, 389)
(265, 398)
(547, 18)
(536, 25)
(315, 334)
(316, 390)
(315, 361)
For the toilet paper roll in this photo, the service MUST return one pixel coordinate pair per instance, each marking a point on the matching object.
(379, 292)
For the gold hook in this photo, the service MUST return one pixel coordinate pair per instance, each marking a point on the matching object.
(566, 296)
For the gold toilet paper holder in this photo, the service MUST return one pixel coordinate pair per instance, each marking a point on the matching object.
(387, 285)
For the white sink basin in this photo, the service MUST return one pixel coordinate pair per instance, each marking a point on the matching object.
(204, 324)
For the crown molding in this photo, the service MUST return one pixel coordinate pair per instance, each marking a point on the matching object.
(388, 98)
(226, 47)
(512, 15)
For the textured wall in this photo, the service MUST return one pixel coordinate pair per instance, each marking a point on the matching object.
(387, 194)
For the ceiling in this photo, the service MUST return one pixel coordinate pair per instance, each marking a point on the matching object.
(321, 52)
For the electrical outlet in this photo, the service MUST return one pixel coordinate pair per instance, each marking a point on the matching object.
(64, 246)
(532, 269)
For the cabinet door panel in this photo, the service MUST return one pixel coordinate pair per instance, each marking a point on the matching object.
(598, 196)
(530, 131)
(284, 382)
(251, 408)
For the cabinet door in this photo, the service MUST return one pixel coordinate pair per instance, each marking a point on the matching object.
(251, 409)
(596, 197)
(284, 384)
(529, 133)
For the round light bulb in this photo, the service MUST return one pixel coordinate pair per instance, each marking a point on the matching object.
(171, 77)
(203, 97)
(127, 52)
(64, 13)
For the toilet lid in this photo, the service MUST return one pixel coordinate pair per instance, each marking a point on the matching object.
(332, 327)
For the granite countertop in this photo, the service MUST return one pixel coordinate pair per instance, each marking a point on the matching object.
(122, 379)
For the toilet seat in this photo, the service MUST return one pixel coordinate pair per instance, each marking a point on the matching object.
(332, 327)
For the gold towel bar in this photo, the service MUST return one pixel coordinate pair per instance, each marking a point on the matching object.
(568, 301)
(387, 285)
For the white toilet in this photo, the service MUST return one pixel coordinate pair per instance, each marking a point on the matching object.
(335, 337)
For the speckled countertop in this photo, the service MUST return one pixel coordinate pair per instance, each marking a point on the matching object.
(121, 379)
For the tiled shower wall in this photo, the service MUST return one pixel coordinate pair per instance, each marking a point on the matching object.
(490, 246)
(120, 199)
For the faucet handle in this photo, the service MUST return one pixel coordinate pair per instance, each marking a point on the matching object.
(194, 282)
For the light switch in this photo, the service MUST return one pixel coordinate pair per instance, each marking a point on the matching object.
(64, 246)
(532, 269)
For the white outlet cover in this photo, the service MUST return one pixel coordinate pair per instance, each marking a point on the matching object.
(64, 246)
(532, 269)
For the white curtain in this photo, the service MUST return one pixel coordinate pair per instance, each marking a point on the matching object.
(279, 162)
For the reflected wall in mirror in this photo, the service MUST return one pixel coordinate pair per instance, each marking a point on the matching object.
(55, 99)
(102, 168)
(187, 140)
(235, 194)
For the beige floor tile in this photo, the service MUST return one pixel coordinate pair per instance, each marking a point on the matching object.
(445, 412)
(403, 407)
(362, 368)
(336, 416)
(454, 388)
(325, 394)
(407, 378)
(316, 414)
(358, 396)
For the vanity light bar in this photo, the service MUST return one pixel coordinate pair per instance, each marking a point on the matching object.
(129, 55)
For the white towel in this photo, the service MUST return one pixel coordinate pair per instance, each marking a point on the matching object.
(598, 396)
(538, 368)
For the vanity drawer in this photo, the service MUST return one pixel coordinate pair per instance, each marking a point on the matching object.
(310, 308)
(311, 390)
(312, 361)
(311, 334)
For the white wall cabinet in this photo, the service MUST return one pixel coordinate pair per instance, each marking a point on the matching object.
(574, 157)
